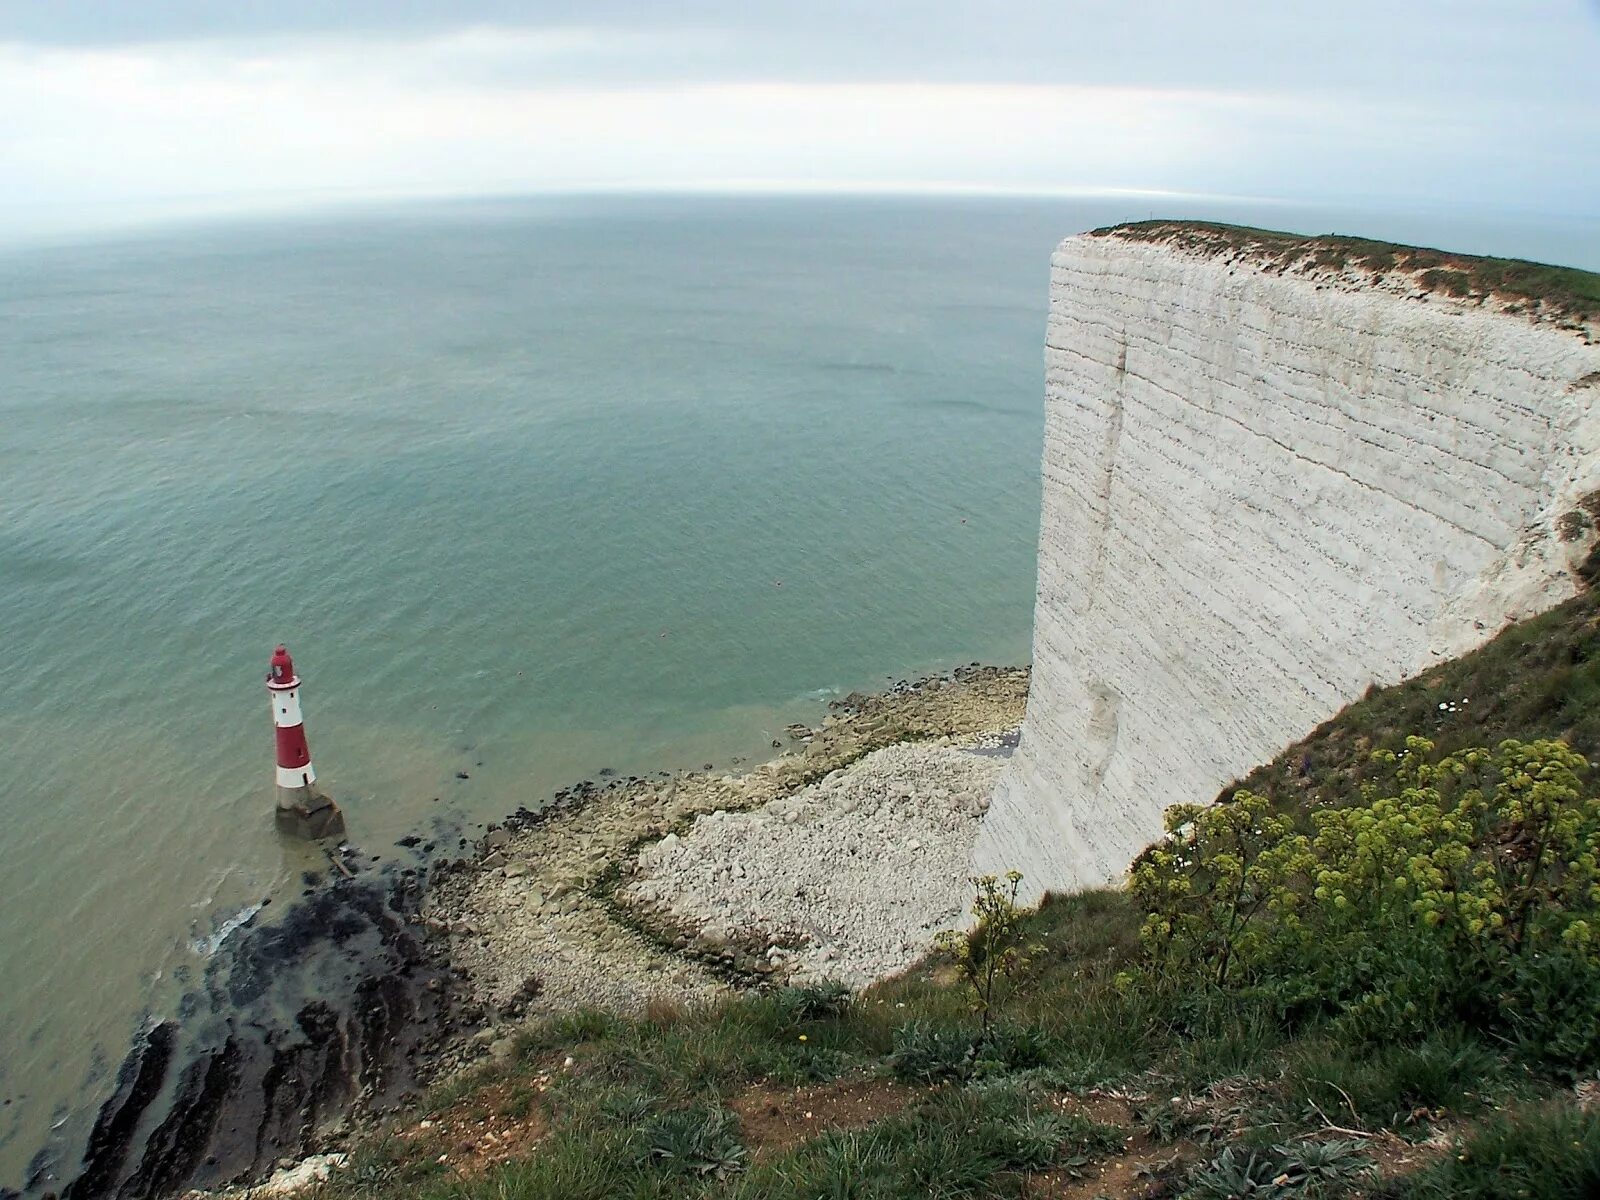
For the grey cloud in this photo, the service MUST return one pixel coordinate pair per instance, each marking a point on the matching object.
(1533, 48)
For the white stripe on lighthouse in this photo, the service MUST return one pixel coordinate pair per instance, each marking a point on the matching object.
(296, 777)
(286, 708)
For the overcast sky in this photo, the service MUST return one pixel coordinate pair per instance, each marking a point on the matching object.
(114, 106)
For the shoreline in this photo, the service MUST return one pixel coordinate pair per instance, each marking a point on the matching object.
(309, 1030)
(549, 914)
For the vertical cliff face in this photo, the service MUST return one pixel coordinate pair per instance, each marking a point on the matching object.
(1270, 480)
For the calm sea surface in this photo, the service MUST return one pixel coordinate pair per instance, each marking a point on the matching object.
(531, 488)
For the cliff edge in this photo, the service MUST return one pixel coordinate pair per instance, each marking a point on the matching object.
(1277, 471)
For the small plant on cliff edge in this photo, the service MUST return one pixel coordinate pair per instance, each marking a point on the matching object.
(993, 955)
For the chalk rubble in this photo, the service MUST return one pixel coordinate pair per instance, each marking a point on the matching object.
(849, 879)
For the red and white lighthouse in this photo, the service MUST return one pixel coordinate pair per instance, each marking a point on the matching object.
(300, 804)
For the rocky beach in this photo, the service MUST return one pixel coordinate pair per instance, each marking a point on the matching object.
(840, 858)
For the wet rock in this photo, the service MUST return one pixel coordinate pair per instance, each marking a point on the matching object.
(297, 1023)
(139, 1082)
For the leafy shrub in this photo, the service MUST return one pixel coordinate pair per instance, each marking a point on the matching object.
(1013, 1048)
(994, 954)
(1392, 1085)
(924, 1053)
(1205, 885)
(815, 1002)
(940, 1162)
(627, 1107)
(1013, 1125)
(692, 1141)
(1030, 1143)
(799, 1063)
(1463, 889)
(953, 1142)
(1167, 1121)
(1038, 1141)
(842, 1164)
(1189, 1118)
(1304, 1169)
(1072, 1071)
(1395, 1085)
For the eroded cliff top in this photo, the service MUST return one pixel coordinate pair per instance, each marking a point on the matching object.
(1563, 296)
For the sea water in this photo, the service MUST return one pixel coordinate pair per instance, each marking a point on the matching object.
(532, 489)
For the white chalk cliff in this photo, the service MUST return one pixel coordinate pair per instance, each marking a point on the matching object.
(1266, 488)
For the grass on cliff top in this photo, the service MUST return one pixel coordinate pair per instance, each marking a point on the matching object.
(1538, 679)
(1089, 1088)
(1560, 292)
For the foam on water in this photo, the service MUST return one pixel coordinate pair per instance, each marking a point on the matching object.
(208, 945)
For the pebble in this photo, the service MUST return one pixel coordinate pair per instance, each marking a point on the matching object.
(862, 914)
(816, 889)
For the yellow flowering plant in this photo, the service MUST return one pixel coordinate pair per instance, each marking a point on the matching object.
(994, 953)
(1463, 886)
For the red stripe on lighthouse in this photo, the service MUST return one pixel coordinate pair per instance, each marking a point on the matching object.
(292, 749)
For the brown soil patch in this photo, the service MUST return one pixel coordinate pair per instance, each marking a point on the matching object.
(1397, 1157)
(493, 1125)
(1141, 1172)
(1133, 1173)
(1098, 1106)
(777, 1119)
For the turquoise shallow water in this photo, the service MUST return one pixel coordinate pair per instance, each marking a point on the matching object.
(531, 488)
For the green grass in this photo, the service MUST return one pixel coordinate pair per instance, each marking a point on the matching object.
(1546, 1153)
(1537, 679)
(1394, 1087)
(1248, 1098)
(1562, 292)
(1303, 1169)
(645, 1111)
(960, 1142)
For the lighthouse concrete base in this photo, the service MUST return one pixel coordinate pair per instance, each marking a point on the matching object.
(308, 813)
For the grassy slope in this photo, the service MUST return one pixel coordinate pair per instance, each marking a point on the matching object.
(1564, 293)
(1538, 679)
(1194, 1091)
